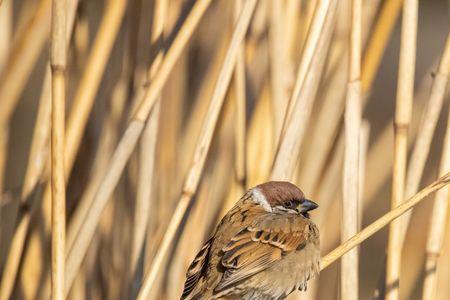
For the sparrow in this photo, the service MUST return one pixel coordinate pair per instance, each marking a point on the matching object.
(265, 247)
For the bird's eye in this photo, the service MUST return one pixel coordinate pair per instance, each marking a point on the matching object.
(290, 204)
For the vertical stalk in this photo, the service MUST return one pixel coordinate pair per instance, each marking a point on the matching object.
(405, 91)
(350, 197)
(36, 163)
(58, 67)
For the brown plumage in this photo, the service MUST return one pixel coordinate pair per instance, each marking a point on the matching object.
(265, 247)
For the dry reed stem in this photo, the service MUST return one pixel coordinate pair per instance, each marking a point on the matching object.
(438, 218)
(58, 59)
(193, 177)
(36, 163)
(302, 99)
(378, 42)
(315, 31)
(148, 146)
(15, 72)
(426, 131)
(350, 197)
(240, 119)
(128, 142)
(375, 226)
(405, 94)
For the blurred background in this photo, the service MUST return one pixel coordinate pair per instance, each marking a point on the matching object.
(122, 249)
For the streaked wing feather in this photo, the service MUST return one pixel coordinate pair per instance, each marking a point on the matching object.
(196, 269)
(258, 246)
(248, 264)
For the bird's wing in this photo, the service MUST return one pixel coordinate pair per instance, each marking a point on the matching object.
(196, 269)
(262, 243)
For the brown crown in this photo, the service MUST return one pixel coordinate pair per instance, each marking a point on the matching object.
(279, 192)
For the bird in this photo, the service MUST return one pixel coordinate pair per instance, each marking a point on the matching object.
(265, 247)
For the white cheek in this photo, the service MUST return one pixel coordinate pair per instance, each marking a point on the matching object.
(259, 198)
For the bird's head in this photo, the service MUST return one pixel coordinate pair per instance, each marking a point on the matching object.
(282, 197)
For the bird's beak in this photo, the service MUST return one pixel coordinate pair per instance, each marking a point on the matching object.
(307, 205)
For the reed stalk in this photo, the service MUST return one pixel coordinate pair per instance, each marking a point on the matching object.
(58, 65)
(405, 94)
(350, 197)
(35, 167)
